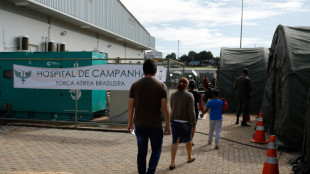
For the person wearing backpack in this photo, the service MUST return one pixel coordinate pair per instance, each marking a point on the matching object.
(216, 109)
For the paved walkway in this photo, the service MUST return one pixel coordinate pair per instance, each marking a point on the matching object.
(35, 150)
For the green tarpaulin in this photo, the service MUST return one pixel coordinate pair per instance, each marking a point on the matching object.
(288, 78)
(306, 145)
(232, 61)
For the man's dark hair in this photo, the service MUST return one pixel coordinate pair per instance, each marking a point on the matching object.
(245, 71)
(149, 67)
(215, 93)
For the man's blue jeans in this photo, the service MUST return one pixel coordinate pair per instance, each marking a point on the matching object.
(143, 134)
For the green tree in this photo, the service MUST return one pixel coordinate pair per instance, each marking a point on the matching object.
(216, 58)
(205, 55)
(209, 55)
(201, 56)
(171, 56)
(192, 55)
(184, 58)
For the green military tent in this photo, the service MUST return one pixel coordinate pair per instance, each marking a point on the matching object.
(232, 61)
(301, 164)
(306, 146)
(288, 79)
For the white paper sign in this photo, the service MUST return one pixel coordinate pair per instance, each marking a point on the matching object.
(105, 77)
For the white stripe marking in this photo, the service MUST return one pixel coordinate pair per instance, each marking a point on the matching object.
(271, 145)
(271, 160)
(260, 128)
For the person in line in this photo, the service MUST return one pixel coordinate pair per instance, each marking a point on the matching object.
(147, 99)
(197, 98)
(213, 81)
(197, 81)
(243, 87)
(183, 120)
(205, 83)
(206, 87)
(216, 119)
(194, 78)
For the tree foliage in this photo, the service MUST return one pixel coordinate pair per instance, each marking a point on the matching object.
(203, 56)
(217, 58)
(193, 56)
(171, 56)
(184, 58)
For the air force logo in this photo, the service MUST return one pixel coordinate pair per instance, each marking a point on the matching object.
(23, 75)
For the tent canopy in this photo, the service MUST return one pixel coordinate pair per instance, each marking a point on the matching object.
(232, 61)
(285, 97)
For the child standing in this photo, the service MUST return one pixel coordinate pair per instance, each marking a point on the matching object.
(216, 119)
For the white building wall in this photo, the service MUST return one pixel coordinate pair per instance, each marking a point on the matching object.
(16, 21)
(110, 15)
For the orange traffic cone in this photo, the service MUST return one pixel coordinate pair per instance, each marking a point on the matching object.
(271, 163)
(260, 133)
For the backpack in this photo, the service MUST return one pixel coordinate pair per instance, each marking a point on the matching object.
(225, 104)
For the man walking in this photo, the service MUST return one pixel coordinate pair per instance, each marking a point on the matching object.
(243, 87)
(147, 100)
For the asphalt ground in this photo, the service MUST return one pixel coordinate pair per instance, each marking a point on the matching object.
(43, 150)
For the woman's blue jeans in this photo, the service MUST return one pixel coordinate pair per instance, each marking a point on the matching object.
(143, 134)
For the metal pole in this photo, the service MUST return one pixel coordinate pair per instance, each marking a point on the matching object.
(178, 49)
(241, 24)
(168, 70)
(76, 94)
(75, 120)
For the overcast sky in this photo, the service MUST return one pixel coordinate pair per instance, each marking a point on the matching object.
(211, 24)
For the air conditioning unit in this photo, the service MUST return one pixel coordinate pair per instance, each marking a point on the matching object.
(23, 43)
(50, 46)
(61, 47)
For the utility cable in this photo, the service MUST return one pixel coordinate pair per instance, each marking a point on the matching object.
(110, 117)
(244, 144)
(235, 141)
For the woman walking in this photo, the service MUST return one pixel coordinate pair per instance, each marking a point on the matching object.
(183, 120)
